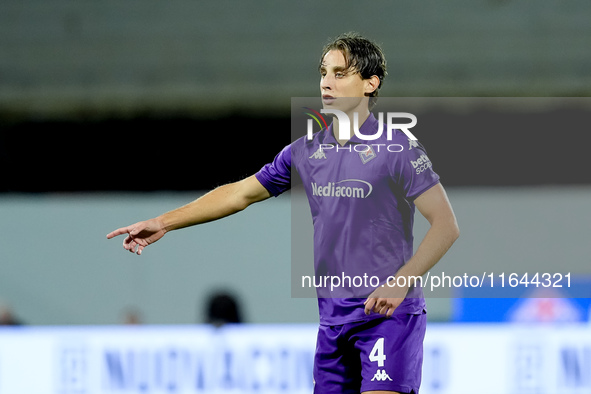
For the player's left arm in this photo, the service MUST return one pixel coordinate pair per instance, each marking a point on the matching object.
(436, 208)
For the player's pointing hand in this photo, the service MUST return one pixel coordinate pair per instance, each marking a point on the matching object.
(140, 235)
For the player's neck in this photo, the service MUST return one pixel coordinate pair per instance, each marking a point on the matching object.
(362, 117)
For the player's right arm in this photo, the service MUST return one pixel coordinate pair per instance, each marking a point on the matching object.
(220, 202)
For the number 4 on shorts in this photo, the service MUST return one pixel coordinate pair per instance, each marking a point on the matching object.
(377, 353)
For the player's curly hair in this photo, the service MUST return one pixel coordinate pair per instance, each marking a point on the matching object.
(362, 55)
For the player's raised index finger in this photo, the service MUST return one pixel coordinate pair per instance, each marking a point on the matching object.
(119, 231)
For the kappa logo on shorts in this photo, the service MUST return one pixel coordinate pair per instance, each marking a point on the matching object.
(381, 376)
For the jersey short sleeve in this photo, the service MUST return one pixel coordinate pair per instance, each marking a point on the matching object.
(413, 171)
(276, 176)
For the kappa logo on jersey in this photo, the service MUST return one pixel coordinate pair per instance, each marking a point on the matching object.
(367, 154)
(319, 154)
(421, 164)
(381, 376)
(412, 144)
(351, 188)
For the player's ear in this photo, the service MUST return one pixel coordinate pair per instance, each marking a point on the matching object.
(371, 84)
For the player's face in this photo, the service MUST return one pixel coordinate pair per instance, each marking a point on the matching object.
(336, 81)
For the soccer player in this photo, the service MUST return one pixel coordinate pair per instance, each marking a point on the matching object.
(362, 202)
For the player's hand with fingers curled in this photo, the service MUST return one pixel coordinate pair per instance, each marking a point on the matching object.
(140, 234)
(384, 300)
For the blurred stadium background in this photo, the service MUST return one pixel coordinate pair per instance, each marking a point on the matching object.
(107, 112)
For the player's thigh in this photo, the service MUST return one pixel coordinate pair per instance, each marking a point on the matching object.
(337, 368)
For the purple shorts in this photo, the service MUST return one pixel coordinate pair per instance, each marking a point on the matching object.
(380, 354)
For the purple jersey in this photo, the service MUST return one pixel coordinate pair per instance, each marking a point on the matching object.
(361, 201)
